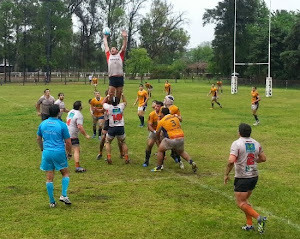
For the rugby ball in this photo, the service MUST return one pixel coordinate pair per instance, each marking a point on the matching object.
(106, 31)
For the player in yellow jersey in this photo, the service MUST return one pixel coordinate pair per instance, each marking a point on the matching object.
(167, 88)
(255, 98)
(214, 96)
(97, 112)
(219, 86)
(142, 98)
(152, 124)
(174, 110)
(173, 139)
(95, 82)
(149, 88)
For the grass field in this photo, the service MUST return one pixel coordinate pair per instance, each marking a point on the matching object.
(129, 201)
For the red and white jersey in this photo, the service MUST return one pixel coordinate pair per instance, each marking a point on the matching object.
(246, 151)
(74, 118)
(115, 63)
(115, 114)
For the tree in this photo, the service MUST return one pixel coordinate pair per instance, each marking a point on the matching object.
(7, 20)
(138, 63)
(54, 30)
(291, 57)
(133, 18)
(113, 16)
(90, 24)
(248, 12)
(161, 33)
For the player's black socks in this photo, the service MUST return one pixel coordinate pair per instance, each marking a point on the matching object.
(100, 132)
(255, 117)
(142, 119)
(148, 154)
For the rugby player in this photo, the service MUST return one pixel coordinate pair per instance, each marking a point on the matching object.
(75, 125)
(214, 96)
(116, 126)
(173, 139)
(142, 98)
(152, 125)
(245, 153)
(96, 107)
(255, 98)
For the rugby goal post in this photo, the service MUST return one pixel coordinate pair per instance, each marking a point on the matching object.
(234, 78)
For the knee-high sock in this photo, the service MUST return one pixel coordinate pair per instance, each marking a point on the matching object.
(50, 188)
(148, 153)
(249, 210)
(65, 184)
(142, 120)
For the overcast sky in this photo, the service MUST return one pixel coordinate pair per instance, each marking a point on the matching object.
(194, 10)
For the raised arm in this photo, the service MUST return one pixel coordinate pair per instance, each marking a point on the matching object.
(124, 99)
(124, 45)
(106, 48)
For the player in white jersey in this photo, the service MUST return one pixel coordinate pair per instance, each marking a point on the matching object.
(60, 102)
(116, 126)
(75, 125)
(245, 153)
(115, 61)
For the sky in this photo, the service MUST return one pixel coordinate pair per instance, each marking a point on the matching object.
(194, 10)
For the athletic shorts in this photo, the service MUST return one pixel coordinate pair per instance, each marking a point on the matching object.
(116, 81)
(176, 144)
(117, 131)
(152, 135)
(254, 107)
(214, 98)
(53, 160)
(75, 141)
(98, 117)
(244, 184)
(142, 108)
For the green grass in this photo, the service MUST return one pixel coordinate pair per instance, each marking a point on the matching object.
(129, 201)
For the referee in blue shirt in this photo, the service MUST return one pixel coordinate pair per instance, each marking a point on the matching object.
(54, 140)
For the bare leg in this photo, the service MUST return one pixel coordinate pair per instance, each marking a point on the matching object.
(119, 92)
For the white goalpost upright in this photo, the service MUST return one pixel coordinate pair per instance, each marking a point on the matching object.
(269, 78)
(234, 77)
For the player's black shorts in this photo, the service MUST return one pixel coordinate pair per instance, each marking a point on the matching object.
(244, 184)
(116, 81)
(75, 141)
(106, 125)
(116, 131)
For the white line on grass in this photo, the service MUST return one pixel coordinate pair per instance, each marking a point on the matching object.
(214, 190)
(137, 180)
(14, 103)
(230, 197)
